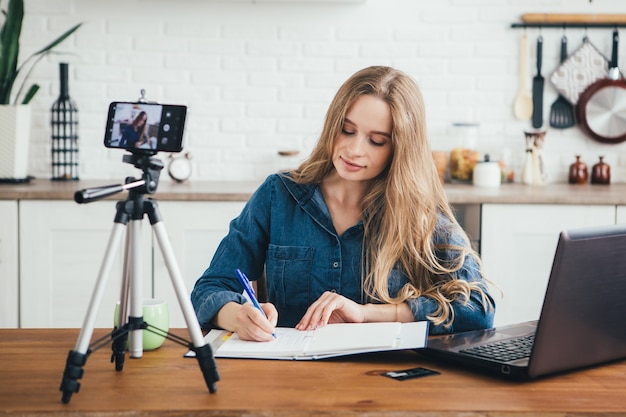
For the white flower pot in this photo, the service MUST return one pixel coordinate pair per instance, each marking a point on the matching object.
(14, 140)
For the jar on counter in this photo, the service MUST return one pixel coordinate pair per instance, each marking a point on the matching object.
(487, 173)
(464, 155)
(534, 171)
(462, 162)
(601, 173)
(578, 172)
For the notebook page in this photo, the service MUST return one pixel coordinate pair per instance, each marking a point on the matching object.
(343, 337)
(288, 341)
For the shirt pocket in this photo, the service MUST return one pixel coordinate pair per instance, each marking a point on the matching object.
(288, 271)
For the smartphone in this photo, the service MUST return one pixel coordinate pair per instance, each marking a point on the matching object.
(145, 127)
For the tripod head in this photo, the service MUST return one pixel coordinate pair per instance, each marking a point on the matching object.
(151, 167)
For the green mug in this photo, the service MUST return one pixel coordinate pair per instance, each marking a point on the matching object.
(155, 313)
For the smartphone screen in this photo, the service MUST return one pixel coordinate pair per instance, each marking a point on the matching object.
(145, 127)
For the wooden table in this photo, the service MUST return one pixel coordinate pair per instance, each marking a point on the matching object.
(163, 383)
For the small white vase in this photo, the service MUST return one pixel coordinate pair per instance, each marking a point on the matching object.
(14, 140)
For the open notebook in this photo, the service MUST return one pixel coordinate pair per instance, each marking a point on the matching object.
(325, 342)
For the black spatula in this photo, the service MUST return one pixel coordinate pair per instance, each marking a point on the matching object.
(538, 82)
(562, 114)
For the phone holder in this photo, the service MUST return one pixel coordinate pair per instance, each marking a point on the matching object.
(145, 127)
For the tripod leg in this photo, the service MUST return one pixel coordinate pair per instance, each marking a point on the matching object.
(120, 336)
(204, 354)
(130, 314)
(136, 280)
(77, 357)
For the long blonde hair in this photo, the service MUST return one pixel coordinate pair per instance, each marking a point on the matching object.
(141, 130)
(401, 208)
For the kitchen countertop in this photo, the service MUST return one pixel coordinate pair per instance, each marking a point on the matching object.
(614, 194)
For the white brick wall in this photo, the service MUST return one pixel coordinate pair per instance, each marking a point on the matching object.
(258, 76)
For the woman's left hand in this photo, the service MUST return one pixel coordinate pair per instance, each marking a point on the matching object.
(331, 308)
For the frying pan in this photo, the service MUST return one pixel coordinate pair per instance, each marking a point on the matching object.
(602, 105)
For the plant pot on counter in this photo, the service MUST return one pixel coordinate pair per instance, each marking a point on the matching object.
(14, 140)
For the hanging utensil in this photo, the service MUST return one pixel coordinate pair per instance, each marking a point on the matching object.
(538, 82)
(523, 103)
(602, 106)
(562, 113)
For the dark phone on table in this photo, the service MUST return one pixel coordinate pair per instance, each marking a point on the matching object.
(145, 127)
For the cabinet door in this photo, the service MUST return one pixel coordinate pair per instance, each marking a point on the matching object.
(8, 265)
(517, 248)
(195, 229)
(62, 246)
(620, 216)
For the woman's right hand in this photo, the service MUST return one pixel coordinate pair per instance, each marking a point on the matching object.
(248, 322)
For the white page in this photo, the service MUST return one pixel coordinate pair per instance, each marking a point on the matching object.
(342, 337)
(413, 335)
(288, 341)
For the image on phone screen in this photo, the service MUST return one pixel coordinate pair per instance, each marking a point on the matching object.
(148, 127)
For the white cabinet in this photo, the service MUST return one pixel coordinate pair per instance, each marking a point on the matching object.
(9, 278)
(195, 229)
(620, 215)
(62, 245)
(517, 247)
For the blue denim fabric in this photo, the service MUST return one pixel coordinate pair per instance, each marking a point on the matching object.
(286, 228)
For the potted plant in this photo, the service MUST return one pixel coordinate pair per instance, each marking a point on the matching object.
(14, 106)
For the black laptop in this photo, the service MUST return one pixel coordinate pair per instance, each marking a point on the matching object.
(582, 321)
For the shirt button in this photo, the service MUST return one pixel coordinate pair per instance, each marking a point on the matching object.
(335, 264)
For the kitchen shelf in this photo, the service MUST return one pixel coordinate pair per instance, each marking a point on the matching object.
(557, 20)
(563, 25)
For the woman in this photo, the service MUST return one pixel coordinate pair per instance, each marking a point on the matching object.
(360, 232)
(135, 132)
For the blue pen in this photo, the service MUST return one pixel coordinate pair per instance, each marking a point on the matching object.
(248, 288)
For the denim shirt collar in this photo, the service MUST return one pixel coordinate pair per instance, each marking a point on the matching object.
(310, 198)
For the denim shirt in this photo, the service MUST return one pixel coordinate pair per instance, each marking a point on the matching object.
(286, 231)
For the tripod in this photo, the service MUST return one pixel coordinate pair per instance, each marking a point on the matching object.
(130, 212)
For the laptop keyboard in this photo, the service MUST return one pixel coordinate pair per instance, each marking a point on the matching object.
(506, 350)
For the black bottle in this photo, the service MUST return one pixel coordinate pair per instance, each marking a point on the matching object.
(64, 123)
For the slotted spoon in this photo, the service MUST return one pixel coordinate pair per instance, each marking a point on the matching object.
(562, 112)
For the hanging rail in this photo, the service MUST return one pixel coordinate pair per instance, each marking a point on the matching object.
(568, 25)
(556, 20)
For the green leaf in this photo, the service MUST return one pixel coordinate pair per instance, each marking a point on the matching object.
(40, 54)
(30, 93)
(58, 40)
(9, 48)
(9, 51)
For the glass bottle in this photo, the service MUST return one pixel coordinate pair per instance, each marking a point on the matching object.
(463, 156)
(64, 123)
